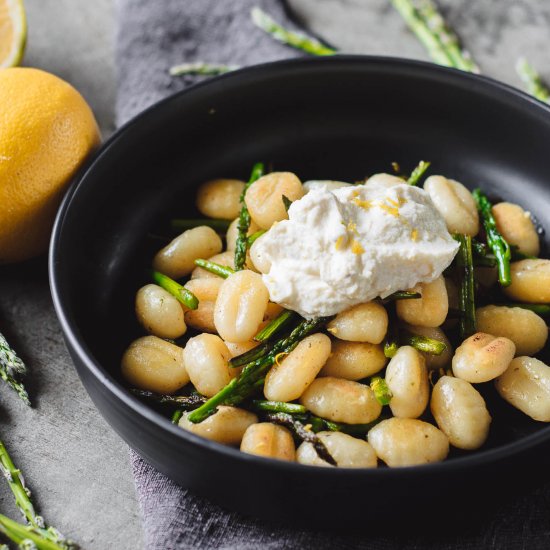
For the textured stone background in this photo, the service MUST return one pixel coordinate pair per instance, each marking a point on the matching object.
(76, 465)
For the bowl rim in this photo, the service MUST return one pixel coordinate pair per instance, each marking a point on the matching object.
(119, 392)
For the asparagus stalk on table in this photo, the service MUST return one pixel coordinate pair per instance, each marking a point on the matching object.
(241, 245)
(439, 40)
(184, 296)
(254, 372)
(497, 243)
(49, 537)
(294, 39)
(532, 80)
(12, 369)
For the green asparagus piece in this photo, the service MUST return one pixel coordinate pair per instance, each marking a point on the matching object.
(532, 80)
(302, 433)
(290, 38)
(182, 402)
(23, 502)
(12, 369)
(176, 416)
(218, 269)
(281, 321)
(252, 238)
(422, 343)
(27, 537)
(279, 406)
(247, 382)
(467, 287)
(401, 295)
(495, 240)
(184, 296)
(418, 172)
(241, 245)
(287, 202)
(540, 309)
(251, 355)
(390, 348)
(221, 226)
(460, 58)
(201, 68)
(381, 390)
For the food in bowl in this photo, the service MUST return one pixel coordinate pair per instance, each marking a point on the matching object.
(353, 319)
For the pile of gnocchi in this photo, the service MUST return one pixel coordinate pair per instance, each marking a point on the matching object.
(348, 392)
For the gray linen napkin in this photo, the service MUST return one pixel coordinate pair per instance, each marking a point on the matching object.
(154, 35)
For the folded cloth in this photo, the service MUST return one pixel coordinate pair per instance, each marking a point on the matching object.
(152, 37)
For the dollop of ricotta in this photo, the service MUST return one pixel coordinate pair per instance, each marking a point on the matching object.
(346, 246)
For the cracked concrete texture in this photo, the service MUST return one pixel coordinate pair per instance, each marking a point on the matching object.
(77, 467)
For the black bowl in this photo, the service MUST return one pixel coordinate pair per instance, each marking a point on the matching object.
(338, 118)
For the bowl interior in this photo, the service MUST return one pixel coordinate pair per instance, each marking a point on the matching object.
(340, 118)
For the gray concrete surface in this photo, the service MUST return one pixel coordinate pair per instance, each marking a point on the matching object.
(77, 467)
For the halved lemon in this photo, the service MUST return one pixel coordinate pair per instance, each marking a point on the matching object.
(13, 32)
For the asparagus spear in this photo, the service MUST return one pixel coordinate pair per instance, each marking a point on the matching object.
(218, 269)
(184, 296)
(294, 39)
(182, 402)
(401, 295)
(252, 238)
(189, 223)
(176, 415)
(250, 355)
(12, 369)
(254, 372)
(23, 501)
(429, 27)
(381, 390)
(279, 407)
(460, 58)
(244, 219)
(275, 325)
(532, 80)
(27, 537)
(302, 433)
(540, 309)
(496, 242)
(467, 287)
(418, 172)
(201, 68)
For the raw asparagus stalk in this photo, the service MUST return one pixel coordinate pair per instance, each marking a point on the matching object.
(418, 172)
(189, 223)
(290, 38)
(182, 402)
(27, 537)
(247, 382)
(460, 58)
(201, 68)
(275, 325)
(430, 28)
(184, 296)
(532, 80)
(381, 390)
(12, 369)
(467, 287)
(241, 245)
(218, 269)
(496, 242)
(24, 503)
(303, 433)
(422, 343)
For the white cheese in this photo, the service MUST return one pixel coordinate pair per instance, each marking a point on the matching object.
(347, 246)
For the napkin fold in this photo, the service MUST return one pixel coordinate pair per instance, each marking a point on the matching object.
(153, 36)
